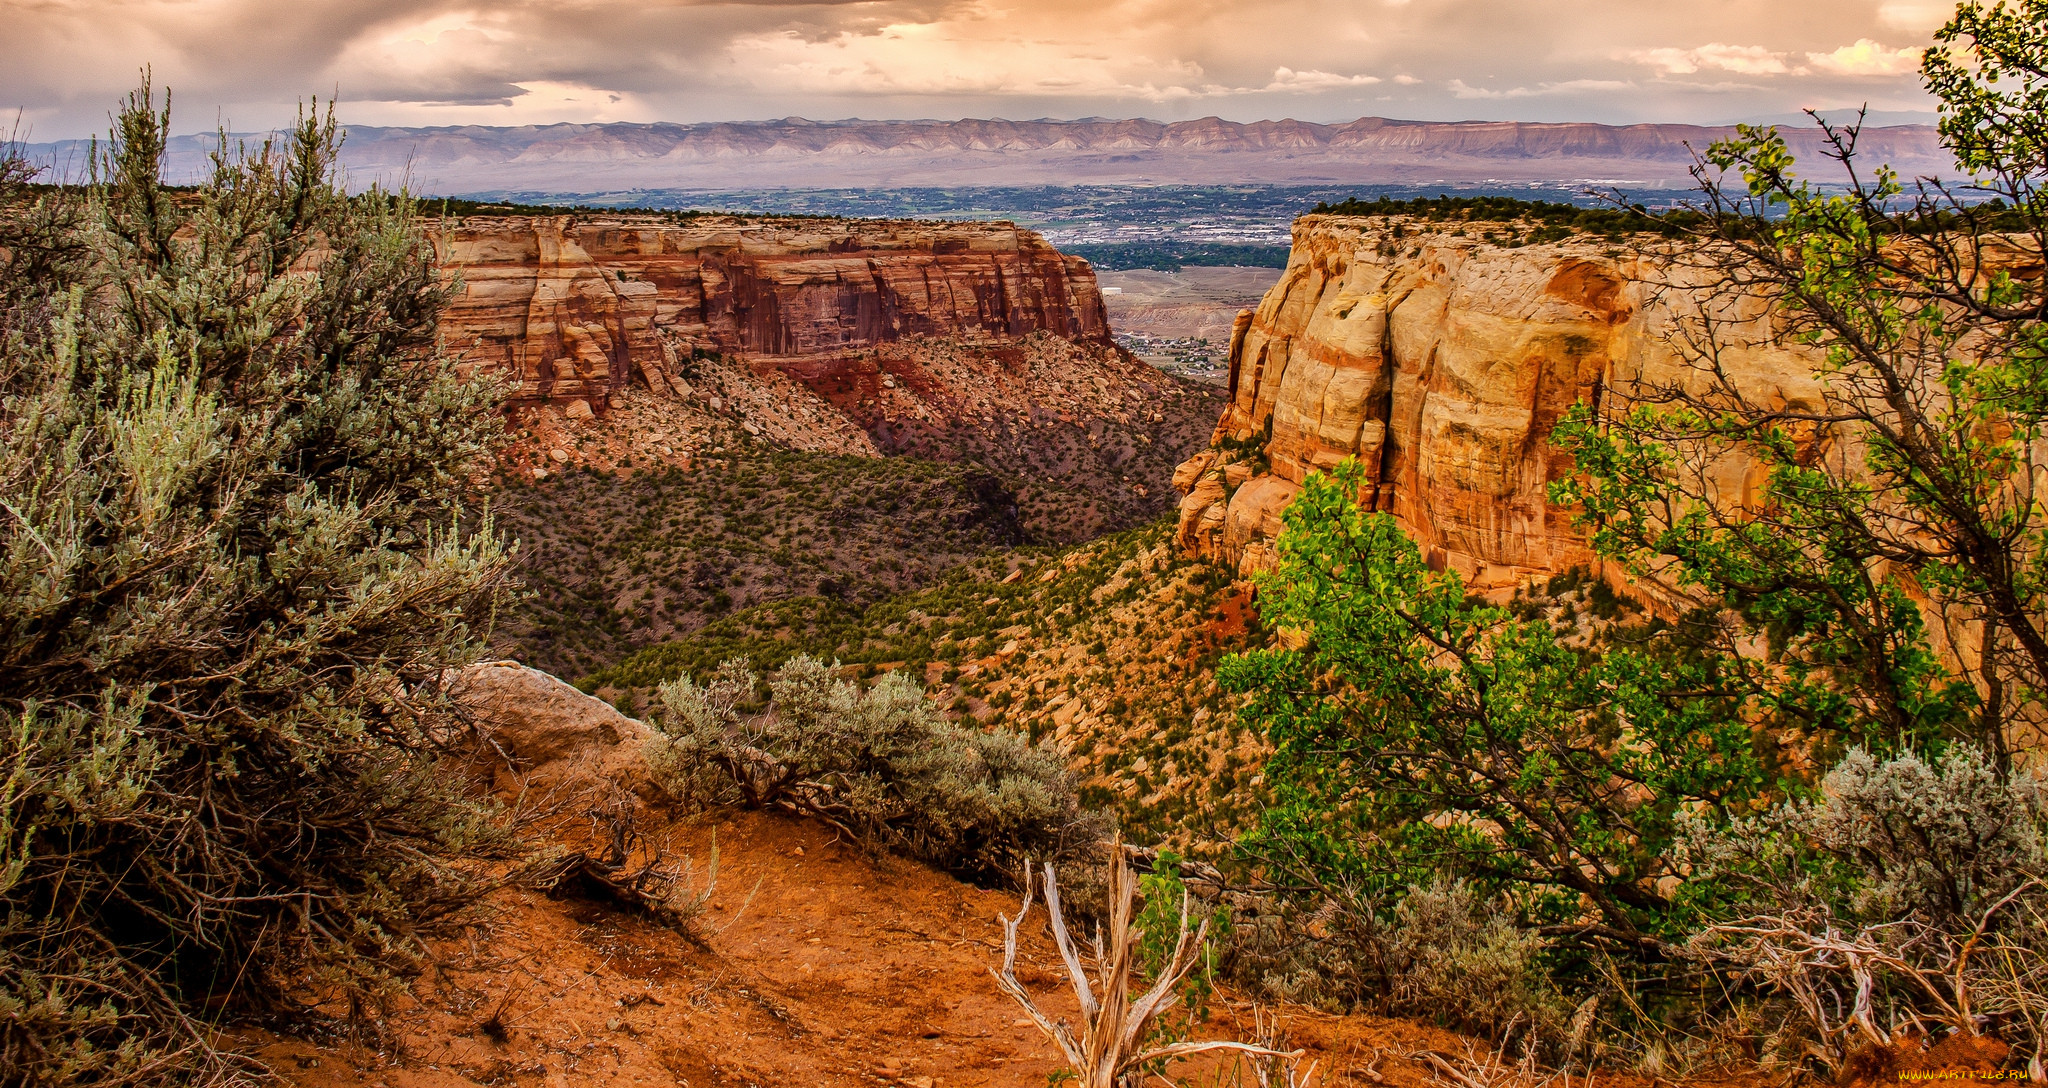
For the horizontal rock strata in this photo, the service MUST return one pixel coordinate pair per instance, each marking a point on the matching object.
(575, 308)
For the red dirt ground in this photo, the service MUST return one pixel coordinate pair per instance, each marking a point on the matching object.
(825, 966)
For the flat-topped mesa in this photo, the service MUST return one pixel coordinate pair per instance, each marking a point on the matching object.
(1443, 362)
(576, 307)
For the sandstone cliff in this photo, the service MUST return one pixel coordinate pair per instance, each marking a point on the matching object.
(1443, 362)
(576, 308)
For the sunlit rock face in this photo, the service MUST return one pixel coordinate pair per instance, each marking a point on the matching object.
(573, 309)
(1443, 362)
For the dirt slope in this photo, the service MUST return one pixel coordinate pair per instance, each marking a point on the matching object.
(825, 966)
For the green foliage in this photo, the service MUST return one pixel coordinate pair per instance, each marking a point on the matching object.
(1811, 774)
(229, 584)
(879, 761)
(1420, 732)
(1167, 901)
(1987, 71)
(460, 206)
(1905, 471)
(1844, 656)
(1553, 221)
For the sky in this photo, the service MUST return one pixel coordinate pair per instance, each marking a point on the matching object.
(246, 63)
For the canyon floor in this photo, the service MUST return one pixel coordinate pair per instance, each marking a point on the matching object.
(666, 513)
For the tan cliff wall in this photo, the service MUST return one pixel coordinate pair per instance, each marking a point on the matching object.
(576, 308)
(1443, 362)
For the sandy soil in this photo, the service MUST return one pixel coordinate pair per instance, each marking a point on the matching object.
(822, 965)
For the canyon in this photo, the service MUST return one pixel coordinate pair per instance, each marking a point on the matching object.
(712, 412)
(961, 342)
(1444, 361)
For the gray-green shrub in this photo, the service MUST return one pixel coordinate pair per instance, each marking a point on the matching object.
(879, 760)
(1938, 840)
(1911, 888)
(230, 576)
(1439, 952)
(1460, 959)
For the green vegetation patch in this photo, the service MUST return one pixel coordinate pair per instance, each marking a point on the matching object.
(1110, 645)
(1552, 221)
(953, 622)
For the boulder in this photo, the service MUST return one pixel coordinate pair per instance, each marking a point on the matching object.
(552, 733)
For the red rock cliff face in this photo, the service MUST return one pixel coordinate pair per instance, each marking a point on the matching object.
(574, 308)
(1443, 363)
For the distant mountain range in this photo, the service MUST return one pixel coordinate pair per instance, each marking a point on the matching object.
(794, 152)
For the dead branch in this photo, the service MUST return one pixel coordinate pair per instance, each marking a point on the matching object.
(1111, 1049)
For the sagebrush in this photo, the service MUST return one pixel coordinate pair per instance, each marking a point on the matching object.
(231, 575)
(880, 761)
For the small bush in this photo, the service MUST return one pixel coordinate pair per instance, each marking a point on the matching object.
(1440, 952)
(880, 761)
(1909, 892)
(1461, 960)
(1939, 840)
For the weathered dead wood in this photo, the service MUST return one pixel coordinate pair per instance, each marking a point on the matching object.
(1110, 1050)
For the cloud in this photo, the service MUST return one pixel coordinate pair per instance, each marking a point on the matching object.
(460, 61)
(939, 60)
(1750, 60)
(1287, 79)
(1864, 57)
(1868, 58)
(1460, 89)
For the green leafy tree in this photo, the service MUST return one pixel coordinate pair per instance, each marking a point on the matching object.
(231, 577)
(1893, 554)
(1420, 733)
(1858, 565)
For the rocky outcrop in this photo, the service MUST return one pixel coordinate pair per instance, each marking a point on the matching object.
(575, 308)
(1443, 362)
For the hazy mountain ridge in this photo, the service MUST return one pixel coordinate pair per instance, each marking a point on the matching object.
(799, 152)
